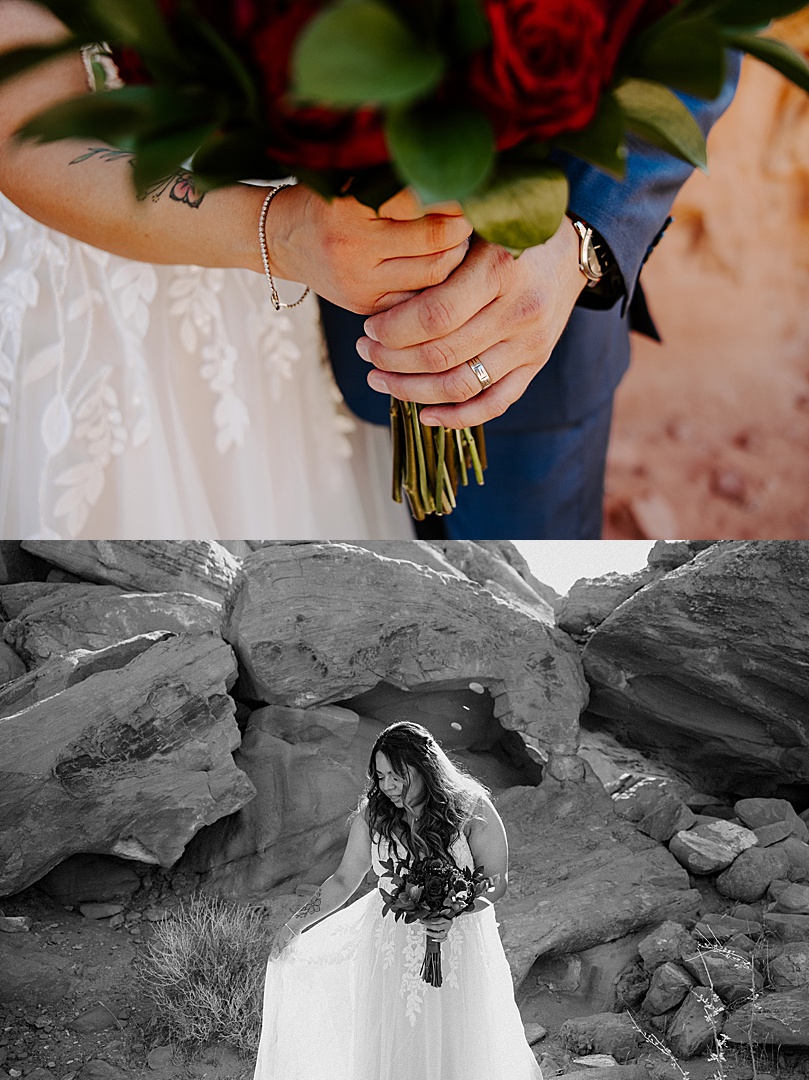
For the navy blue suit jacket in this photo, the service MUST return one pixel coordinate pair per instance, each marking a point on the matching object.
(593, 352)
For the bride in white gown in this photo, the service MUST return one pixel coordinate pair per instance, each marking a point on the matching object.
(143, 398)
(345, 1000)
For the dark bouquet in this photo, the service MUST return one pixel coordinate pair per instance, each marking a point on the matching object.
(466, 100)
(432, 888)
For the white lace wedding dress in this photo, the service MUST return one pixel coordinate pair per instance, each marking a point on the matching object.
(346, 1001)
(171, 401)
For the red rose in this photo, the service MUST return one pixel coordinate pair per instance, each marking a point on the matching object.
(544, 70)
(549, 61)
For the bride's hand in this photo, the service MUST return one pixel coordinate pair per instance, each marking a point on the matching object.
(282, 938)
(360, 260)
(437, 929)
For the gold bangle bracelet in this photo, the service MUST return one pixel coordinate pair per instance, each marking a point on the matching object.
(265, 258)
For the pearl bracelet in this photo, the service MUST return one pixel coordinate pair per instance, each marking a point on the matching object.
(262, 240)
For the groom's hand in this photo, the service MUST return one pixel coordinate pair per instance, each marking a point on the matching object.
(508, 312)
(358, 259)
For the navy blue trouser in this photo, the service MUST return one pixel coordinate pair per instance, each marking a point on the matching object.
(540, 485)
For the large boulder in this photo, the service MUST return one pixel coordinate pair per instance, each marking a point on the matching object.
(307, 766)
(780, 1019)
(706, 668)
(499, 567)
(589, 601)
(579, 875)
(94, 616)
(321, 623)
(202, 567)
(693, 1027)
(127, 760)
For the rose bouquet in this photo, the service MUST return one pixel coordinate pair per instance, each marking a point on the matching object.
(467, 100)
(432, 888)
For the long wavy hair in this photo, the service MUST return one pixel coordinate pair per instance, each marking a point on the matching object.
(450, 794)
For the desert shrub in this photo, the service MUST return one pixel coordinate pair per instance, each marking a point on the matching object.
(203, 971)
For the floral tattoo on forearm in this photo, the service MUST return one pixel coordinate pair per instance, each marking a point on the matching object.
(311, 907)
(180, 185)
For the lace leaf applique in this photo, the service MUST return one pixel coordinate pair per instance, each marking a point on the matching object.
(56, 425)
(194, 291)
(99, 425)
(137, 286)
(43, 363)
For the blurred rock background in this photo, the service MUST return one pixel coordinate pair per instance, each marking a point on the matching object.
(711, 432)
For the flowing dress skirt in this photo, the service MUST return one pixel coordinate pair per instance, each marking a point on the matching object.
(345, 1001)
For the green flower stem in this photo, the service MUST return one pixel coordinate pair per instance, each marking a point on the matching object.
(396, 440)
(411, 484)
(431, 463)
(440, 469)
(452, 468)
(421, 467)
(480, 442)
(430, 457)
(473, 453)
(461, 457)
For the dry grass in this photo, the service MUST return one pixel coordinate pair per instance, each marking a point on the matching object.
(203, 971)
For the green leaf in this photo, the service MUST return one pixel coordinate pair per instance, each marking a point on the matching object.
(658, 116)
(602, 141)
(471, 25)
(30, 56)
(777, 54)
(164, 155)
(109, 117)
(444, 152)
(521, 207)
(224, 63)
(754, 14)
(371, 187)
(138, 23)
(688, 55)
(359, 52)
(226, 158)
(120, 117)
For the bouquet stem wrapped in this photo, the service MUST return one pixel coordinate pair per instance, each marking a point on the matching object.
(430, 464)
(431, 967)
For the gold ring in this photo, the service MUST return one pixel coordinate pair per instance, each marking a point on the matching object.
(482, 375)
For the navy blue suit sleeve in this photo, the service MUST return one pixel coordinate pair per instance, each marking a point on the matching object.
(631, 214)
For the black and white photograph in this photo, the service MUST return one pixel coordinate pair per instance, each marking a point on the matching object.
(404, 810)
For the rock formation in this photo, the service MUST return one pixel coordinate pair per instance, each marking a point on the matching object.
(131, 759)
(705, 668)
(320, 623)
(202, 567)
(118, 735)
(579, 875)
(70, 617)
